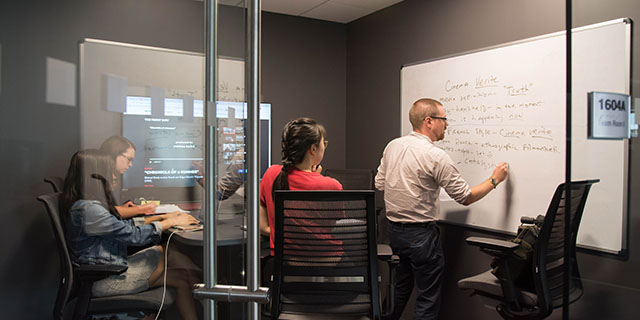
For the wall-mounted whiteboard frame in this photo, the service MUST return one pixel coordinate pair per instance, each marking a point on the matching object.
(110, 71)
(486, 121)
(177, 72)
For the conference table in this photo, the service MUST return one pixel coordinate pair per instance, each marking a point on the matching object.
(230, 233)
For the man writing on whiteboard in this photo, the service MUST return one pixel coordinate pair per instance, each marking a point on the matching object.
(411, 172)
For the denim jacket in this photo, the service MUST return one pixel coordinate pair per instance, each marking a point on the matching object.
(95, 236)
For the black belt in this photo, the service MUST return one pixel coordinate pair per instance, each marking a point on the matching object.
(412, 224)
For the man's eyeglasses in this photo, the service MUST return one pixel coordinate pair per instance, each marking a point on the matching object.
(129, 159)
(436, 117)
(326, 143)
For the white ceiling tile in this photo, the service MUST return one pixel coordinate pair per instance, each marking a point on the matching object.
(291, 7)
(370, 4)
(337, 12)
(342, 11)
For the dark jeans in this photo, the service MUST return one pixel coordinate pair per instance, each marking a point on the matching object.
(422, 262)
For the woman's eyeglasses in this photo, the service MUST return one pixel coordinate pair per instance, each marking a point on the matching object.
(129, 159)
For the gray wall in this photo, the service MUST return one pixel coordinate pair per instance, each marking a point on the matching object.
(346, 76)
(304, 74)
(304, 71)
(416, 30)
(37, 139)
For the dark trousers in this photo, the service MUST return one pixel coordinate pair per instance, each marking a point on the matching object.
(422, 263)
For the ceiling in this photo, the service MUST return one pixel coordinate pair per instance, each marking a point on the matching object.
(342, 11)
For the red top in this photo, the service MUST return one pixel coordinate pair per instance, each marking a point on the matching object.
(298, 180)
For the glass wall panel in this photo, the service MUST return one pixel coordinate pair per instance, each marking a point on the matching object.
(230, 164)
(72, 75)
(498, 68)
(149, 100)
(604, 86)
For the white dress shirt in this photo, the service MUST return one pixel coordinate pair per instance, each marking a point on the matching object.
(411, 172)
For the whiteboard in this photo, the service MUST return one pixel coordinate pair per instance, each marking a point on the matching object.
(507, 103)
(177, 73)
(117, 70)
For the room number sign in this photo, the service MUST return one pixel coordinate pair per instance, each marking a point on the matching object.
(609, 115)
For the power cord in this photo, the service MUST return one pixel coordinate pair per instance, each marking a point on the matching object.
(164, 284)
(166, 266)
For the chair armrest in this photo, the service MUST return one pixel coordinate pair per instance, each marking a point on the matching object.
(88, 274)
(93, 272)
(493, 247)
(384, 251)
(386, 254)
(494, 244)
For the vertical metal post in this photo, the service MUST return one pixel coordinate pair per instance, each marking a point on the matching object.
(253, 156)
(210, 263)
(567, 190)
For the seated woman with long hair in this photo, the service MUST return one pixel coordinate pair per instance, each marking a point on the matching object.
(97, 234)
(303, 145)
(123, 152)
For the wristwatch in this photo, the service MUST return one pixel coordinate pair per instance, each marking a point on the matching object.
(494, 182)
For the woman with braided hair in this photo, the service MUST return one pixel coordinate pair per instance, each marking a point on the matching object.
(303, 145)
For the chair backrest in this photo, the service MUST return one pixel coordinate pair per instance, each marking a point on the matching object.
(325, 246)
(548, 256)
(56, 183)
(352, 179)
(362, 179)
(65, 289)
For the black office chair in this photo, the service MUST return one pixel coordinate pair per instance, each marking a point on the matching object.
(352, 179)
(325, 256)
(57, 183)
(355, 179)
(363, 179)
(71, 290)
(547, 267)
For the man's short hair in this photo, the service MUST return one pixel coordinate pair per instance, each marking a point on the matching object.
(421, 109)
